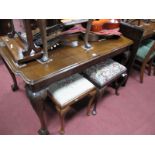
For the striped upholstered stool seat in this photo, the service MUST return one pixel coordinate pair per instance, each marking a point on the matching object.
(106, 73)
(67, 91)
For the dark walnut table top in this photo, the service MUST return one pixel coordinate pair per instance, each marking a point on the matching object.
(65, 61)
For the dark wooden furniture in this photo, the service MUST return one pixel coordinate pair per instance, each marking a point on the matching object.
(153, 68)
(65, 62)
(148, 28)
(106, 73)
(5, 26)
(26, 51)
(149, 33)
(135, 33)
(146, 56)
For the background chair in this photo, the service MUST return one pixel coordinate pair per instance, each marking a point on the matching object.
(145, 55)
(153, 67)
(134, 33)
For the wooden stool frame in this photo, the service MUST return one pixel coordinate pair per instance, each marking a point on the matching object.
(63, 110)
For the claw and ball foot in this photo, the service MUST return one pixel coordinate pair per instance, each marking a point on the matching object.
(43, 132)
(14, 87)
(94, 112)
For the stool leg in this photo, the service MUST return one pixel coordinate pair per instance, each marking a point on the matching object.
(94, 108)
(125, 80)
(90, 102)
(62, 115)
(116, 88)
(99, 95)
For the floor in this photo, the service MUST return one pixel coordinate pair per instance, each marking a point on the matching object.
(132, 112)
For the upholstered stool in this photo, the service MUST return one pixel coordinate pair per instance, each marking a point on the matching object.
(68, 91)
(106, 73)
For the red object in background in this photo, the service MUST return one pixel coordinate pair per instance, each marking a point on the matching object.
(109, 32)
(100, 24)
(97, 25)
(112, 24)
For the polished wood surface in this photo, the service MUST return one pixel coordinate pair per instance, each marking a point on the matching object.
(149, 29)
(65, 59)
(17, 50)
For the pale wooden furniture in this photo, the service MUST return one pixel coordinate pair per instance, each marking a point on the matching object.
(67, 92)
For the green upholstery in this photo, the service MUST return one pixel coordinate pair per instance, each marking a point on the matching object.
(148, 43)
(144, 49)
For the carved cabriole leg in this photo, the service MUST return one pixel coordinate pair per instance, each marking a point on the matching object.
(62, 116)
(99, 96)
(62, 112)
(92, 95)
(37, 102)
(14, 87)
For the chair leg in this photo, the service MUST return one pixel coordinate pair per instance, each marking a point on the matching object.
(142, 73)
(150, 67)
(90, 102)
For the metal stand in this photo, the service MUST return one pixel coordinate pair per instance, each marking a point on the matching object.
(86, 43)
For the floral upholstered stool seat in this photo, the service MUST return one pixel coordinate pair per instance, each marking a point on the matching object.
(68, 91)
(106, 73)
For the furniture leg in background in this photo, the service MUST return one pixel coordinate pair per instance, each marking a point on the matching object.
(135, 33)
(14, 86)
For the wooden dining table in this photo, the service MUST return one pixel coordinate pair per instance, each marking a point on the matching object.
(63, 62)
